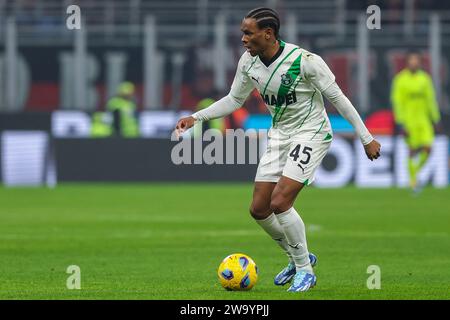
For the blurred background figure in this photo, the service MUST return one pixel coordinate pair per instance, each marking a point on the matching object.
(416, 112)
(101, 125)
(123, 108)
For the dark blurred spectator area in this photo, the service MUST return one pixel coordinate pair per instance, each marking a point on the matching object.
(189, 27)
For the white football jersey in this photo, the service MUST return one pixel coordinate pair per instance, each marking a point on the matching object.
(291, 88)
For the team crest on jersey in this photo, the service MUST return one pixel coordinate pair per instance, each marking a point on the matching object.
(286, 79)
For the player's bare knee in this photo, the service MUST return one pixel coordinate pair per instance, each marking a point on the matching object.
(253, 211)
(259, 212)
(279, 204)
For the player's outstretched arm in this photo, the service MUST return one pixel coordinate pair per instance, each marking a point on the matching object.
(372, 149)
(240, 90)
(334, 94)
(218, 109)
(320, 75)
(184, 124)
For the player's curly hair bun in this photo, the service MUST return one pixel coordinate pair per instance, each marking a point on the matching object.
(266, 18)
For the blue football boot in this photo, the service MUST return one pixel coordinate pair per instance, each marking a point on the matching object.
(303, 281)
(286, 275)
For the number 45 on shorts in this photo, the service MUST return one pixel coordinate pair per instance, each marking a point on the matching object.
(307, 156)
(303, 153)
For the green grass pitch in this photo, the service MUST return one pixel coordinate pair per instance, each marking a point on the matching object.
(165, 241)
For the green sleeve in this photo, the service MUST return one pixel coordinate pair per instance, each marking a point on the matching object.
(113, 104)
(397, 99)
(431, 103)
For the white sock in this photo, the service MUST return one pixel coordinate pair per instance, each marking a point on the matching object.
(294, 229)
(274, 229)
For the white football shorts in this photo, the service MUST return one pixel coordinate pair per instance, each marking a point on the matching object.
(291, 157)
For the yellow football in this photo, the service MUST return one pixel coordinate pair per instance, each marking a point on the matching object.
(238, 272)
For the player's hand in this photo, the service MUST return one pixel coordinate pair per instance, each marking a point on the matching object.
(373, 150)
(184, 124)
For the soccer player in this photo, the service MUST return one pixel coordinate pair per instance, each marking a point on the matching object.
(291, 81)
(415, 111)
